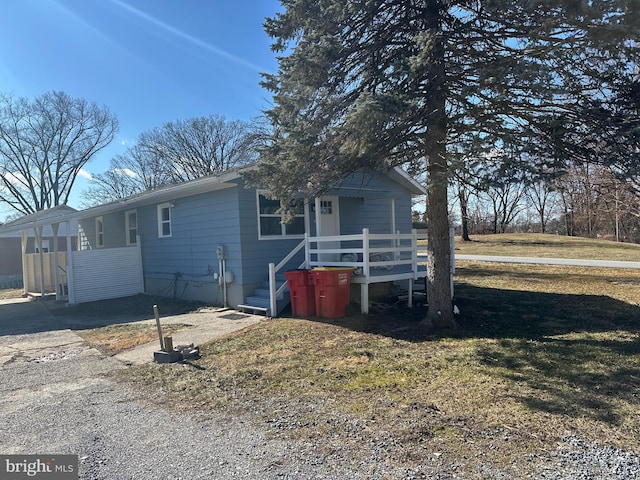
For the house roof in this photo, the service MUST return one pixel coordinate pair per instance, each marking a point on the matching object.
(410, 183)
(396, 173)
(210, 183)
(167, 193)
(58, 214)
(163, 194)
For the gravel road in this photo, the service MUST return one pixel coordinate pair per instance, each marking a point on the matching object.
(55, 398)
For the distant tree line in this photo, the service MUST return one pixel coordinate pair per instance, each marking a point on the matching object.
(586, 201)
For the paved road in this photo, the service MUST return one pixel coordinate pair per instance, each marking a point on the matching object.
(551, 261)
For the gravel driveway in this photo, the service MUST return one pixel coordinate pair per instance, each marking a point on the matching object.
(55, 398)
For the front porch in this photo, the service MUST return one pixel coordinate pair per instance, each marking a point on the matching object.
(375, 258)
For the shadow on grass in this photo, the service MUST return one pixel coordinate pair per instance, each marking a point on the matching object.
(574, 355)
(497, 313)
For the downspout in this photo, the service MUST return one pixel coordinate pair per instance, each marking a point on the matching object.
(222, 278)
(224, 282)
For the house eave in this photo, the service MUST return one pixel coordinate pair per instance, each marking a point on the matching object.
(172, 192)
(162, 195)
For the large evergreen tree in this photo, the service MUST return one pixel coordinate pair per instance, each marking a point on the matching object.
(377, 83)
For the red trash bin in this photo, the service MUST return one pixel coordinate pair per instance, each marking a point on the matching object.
(303, 302)
(332, 291)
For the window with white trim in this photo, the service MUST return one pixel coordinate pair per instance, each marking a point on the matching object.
(99, 232)
(271, 221)
(164, 220)
(45, 246)
(326, 207)
(131, 227)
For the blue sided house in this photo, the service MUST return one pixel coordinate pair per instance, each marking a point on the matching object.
(218, 241)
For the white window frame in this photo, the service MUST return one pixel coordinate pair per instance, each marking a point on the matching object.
(99, 232)
(45, 246)
(128, 228)
(162, 222)
(283, 227)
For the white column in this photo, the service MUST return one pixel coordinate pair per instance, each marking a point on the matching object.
(56, 261)
(70, 279)
(38, 232)
(25, 274)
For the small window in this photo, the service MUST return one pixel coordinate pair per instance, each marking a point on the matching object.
(271, 222)
(131, 227)
(164, 220)
(326, 207)
(99, 232)
(45, 246)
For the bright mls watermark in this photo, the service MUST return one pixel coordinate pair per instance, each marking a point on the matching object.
(49, 467)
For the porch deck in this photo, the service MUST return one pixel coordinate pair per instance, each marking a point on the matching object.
(375, 258)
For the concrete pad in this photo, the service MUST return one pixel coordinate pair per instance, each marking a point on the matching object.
(28, 332)
(207, 325)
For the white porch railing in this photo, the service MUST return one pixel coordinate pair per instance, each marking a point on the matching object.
(374, 258)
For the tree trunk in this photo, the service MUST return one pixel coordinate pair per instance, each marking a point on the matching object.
(464, 213)
(440, 312)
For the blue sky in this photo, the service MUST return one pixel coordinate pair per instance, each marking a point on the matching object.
(149, 61)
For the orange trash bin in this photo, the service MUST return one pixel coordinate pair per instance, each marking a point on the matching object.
(332, 291)
(301, 292)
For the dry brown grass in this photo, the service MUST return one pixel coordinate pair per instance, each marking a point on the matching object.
(114, 339)
(547, 245)
(542, 351)
(464, 397)
(8, 293)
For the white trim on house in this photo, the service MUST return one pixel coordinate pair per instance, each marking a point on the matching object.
(164, 222)
(99, 232)
(279, 217)
(131, 230)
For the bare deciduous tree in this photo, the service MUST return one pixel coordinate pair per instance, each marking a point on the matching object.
(544, 200)
(44, 143)
(135, 171)
(176, 152)
(198, 147)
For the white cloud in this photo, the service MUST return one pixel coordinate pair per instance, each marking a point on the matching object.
(85, 174)
(127, 172)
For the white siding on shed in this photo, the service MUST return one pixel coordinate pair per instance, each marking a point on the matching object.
(107, 273)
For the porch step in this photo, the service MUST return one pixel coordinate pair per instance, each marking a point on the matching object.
(259, 301)
(256, 301)
(254, 309)
(264, 293)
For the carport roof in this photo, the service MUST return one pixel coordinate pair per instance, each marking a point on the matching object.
(58, 214)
